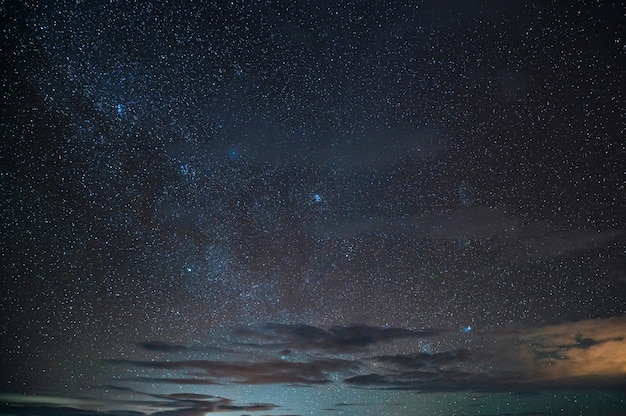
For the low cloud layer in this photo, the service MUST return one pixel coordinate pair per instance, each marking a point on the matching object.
(566, 355)
(338, 339)
(579, 355)
(265, 372)
(183, 404)
(593, 349)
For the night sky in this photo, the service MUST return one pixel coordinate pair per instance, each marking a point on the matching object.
(311, 208)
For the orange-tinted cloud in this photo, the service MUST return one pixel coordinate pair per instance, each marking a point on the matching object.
(592, 348)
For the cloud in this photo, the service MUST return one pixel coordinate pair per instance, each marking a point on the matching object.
(337, 339)
(516, 238)
(576, 351)
(186, 404)
(469, 222)
(586, 354)
(577, 355)
(516, 414)
(171, 380)
(199, 407)
(171, 348)
(557, 243)
(265, 372)
(429, 381)
(54, 410)
(161, 346)
(426, 372)
(557, 356)
(536, 238)
(375, 148)
(423, 360)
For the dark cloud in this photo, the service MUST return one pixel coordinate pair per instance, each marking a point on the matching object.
(513, 238)
(201, 407)
(577, 355)
(337, 339)
(167, 347)
(53, 410)
(469, 221)
(187, 396)
(184, 404)
(516, 414)
(552, 243)
(564, 356)
(376, 148)
(171, 380)
(438, 380)
(267, 372)
(538, 239)
(616, 272)
(162, 346)
(380, 148)
(512, 232)
(423, 360)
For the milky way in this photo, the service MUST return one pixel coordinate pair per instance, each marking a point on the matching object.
(283, 208)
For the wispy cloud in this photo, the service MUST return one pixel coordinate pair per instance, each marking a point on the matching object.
(523, 238)
(514, 238)
(171, 348)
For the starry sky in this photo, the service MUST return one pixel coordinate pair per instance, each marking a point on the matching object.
(309, 208)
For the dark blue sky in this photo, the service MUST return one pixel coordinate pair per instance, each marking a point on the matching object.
(208, 205)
